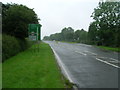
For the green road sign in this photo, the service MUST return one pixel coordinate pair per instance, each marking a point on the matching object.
(34, 32)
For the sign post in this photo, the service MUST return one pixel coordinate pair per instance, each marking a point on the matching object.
(34, 32)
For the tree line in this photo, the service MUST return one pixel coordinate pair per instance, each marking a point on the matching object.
(104, 30)
(15, 20)
(68, 34)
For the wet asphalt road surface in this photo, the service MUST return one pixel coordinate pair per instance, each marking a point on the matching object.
(88, 66)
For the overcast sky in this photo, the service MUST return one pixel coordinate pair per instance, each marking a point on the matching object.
(57, 14)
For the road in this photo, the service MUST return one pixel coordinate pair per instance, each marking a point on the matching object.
(88, 66)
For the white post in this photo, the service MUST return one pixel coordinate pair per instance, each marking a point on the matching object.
(37, 33)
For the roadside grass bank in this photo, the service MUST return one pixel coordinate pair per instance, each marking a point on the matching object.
(36, 67)
(0, 75)
(109, 48)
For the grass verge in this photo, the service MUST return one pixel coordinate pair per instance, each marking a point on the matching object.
(0, 75)
(33, 68)
(110, 48)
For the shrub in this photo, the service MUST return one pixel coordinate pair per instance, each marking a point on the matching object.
(23, 44)
(10, 46)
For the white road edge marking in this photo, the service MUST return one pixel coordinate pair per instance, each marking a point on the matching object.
(81, 53)
(91, 53)
(107, 62)
(62, 65)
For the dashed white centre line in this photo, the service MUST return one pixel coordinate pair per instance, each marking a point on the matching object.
(91, 53)
(81, 53)
(113, 59)
(107, 63)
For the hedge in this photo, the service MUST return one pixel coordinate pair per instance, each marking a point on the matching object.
(11, 46)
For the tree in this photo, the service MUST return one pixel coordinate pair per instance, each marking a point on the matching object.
(107, 20)
(80, 36)
(16, 19)
(92, 33)
(76, 35)
(83, 36)
(68, 34)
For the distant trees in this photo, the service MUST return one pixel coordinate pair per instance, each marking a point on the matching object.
(56, 36)
(46, 38)
(16, 19)
(105, 29)
(68, 34)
